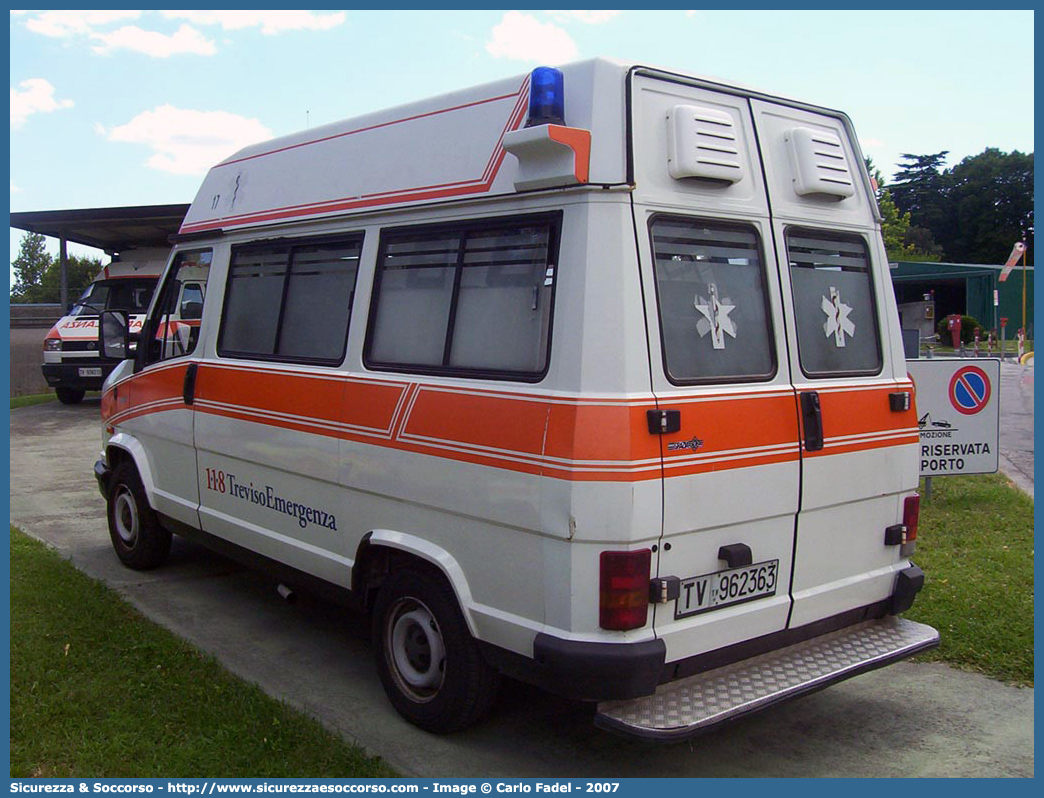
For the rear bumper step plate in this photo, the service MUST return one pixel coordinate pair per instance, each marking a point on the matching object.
(689, 706)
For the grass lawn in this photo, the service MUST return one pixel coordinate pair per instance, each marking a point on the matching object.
(33, 399)
(41, 398)
(975, 544)
(97, 690)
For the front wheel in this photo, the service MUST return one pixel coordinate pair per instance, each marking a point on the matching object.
(429, 664)
(70, 396)
(139, 540)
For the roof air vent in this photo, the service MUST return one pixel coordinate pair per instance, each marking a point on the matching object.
(702, 142)
(819, 163)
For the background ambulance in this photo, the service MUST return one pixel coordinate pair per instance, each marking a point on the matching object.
(72, 363)
(591, 377)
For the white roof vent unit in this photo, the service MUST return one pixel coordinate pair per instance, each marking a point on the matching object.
(703, 142)
(819, 163)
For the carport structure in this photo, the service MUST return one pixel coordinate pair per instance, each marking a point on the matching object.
(109, 229)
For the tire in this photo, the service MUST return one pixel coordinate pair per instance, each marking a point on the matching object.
(139, 540)
(429, 664)
(70, 396)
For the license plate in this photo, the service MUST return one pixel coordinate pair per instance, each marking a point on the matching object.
(91, 372)
(725, 588)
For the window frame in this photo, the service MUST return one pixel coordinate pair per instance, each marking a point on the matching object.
(158, 312)
(773, 347)
(553, 221)
(291, 244)
(827, 234)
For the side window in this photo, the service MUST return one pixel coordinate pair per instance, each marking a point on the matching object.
(473, 300)
(172, 333)
(836, 320)
(290, 301)
(710, 289)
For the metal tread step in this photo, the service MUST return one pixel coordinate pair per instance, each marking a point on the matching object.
(688, 706)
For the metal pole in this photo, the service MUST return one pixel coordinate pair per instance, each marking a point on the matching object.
(996, 293)
(927, 489)
(1024, 289)
(63, 266)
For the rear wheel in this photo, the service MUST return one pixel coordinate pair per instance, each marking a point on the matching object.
(139, 540)
(70, 396)
(429, 664)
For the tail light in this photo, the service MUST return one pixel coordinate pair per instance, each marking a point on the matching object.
(911, 514)
(623, 595)
(52, 344)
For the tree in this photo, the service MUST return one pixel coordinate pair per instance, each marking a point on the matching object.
(38, 274)
(29, 267)
(902, 240)
(992, 202)
(921, 188)
(974, 211)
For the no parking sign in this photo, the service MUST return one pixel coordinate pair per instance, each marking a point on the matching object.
(958, 414)
(970, 390)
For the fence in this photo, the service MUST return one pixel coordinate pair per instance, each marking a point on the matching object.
(29, 326)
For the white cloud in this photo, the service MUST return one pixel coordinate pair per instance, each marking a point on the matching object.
(70, 23)
(270, 22)
(35, 97)
(588, 17)
(522, 37)
(158, 45)
(97, 26)
(187, 142)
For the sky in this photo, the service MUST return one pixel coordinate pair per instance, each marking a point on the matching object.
(113, 108)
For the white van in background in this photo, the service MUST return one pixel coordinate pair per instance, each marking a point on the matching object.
(591, 377)
(72, 363)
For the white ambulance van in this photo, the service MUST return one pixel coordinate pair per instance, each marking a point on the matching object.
(72, 362)
(592, 378)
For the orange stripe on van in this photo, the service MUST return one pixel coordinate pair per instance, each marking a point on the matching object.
(572, 438)
(859, 418)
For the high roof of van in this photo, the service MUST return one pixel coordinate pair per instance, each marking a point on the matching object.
(445, 148)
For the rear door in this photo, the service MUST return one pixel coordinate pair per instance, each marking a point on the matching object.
(720, 368)
(842, 347)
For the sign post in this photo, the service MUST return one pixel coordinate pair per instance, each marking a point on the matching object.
(958, 415)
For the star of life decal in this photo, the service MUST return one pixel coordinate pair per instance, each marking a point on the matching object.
(837, 324)
(715, 319)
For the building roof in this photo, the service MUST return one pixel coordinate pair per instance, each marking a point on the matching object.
(109, 229)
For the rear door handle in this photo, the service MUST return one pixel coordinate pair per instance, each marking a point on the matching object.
(188, 390)
(812, 421)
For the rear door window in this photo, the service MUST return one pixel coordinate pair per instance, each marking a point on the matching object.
(710, 287)
(836, 317)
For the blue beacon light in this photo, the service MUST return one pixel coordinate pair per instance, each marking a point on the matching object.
(546, 97)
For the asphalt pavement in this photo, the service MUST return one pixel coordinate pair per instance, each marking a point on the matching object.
(1016, 423)
(910, 719)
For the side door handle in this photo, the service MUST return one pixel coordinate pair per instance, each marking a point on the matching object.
(812, 421)
(188, 391)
